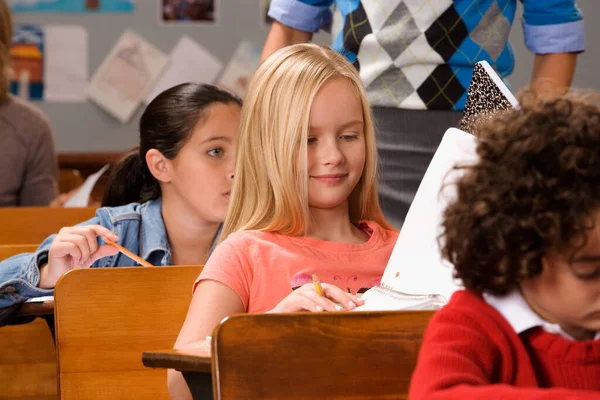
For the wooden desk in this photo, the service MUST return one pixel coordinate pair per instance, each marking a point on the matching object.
(195, 364)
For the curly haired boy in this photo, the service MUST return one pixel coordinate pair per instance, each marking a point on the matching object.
(524, 236)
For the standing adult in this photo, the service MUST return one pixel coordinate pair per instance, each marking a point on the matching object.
(28, 162)
(416, 59)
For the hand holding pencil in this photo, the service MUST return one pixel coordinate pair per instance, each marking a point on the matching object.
(317, 297)
(77, 247)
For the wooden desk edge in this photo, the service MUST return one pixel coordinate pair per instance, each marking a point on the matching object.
(189, 360)
(36, 309)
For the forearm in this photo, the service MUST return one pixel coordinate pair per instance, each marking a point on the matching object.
(281, 36)
(553, 73)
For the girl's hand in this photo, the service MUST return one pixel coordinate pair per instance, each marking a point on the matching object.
(75, 247)
(306, 298)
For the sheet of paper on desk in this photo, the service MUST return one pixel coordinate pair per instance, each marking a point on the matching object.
(81, 197)
(190, 62)
(40, 299)
(416, 266)
(66, 65)
(126, 75)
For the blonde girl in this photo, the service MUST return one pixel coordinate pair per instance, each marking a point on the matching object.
(304, 199)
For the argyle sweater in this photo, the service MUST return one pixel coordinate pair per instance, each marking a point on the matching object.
(419, 54)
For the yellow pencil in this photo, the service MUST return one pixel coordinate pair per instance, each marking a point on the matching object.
(317, 284)
(128, 253)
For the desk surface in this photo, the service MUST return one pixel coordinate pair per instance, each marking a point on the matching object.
(192, 360)
(36, 308)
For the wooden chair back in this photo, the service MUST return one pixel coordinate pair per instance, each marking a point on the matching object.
(105, 318)
(27, 362)
(9, 250)
(366, 355)
(69, 179)
(25, 225)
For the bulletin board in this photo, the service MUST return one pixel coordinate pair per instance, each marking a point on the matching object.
(85, 126)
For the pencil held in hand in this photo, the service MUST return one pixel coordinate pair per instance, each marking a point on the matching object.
(128, 253)
(317, 284)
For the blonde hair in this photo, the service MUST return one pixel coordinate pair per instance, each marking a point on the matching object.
(5, 44)
(270, 190)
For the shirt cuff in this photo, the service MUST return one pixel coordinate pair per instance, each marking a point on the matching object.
(300, 16)
(558, 38)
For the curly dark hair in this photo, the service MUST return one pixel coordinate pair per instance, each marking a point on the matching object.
(535, 188)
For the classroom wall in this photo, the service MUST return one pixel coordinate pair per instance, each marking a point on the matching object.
(84, 127)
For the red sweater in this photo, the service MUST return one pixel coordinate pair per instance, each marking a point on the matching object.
(470, 351)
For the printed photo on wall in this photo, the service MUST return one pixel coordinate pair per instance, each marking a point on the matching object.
(27, 62)
(187, 11)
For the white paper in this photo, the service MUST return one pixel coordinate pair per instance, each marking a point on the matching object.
(126, 75)
(416, 265)
(190, 62)
(40, 299)
(81, 197)
(240, 68)
(66, 64)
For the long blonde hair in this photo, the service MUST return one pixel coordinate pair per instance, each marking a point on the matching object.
(270, 186)
(5, 44)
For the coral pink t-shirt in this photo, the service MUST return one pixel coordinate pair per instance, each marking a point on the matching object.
(264, 267)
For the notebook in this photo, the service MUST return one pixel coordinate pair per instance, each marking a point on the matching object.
(487, 95)
(416, 277)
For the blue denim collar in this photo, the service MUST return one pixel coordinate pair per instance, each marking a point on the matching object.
(153, 234)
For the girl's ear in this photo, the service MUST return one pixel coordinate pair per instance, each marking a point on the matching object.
(159, 165)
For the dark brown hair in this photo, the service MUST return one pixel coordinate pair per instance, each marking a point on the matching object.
(165, 125)
(535, 188)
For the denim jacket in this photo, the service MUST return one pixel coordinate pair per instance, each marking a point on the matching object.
(140, 228)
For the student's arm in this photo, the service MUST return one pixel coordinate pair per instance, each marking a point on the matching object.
(39, 186)
(26, 275)
(458, 359)
(212, 301)
(554, 33)
(295, 21)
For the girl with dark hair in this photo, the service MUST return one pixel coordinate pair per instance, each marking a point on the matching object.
(523, 235)
(166, 200)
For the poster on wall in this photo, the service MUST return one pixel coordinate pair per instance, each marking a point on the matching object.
(66, 64)
(68, 6)
(240, 68)
(126, 75)
(27, 62)
(49, 62)
(173, 12)
(189, 62)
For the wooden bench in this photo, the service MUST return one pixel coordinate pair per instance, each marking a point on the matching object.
(28, 362)
(327, 355)
(26, 225)
(105, 318)
(9, 250)
(69, 179)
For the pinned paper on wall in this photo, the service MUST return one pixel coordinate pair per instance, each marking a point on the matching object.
(27, 62)
(66, 66)
(68, 6)
(126, 75)
(189, 62)
(240, 68)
